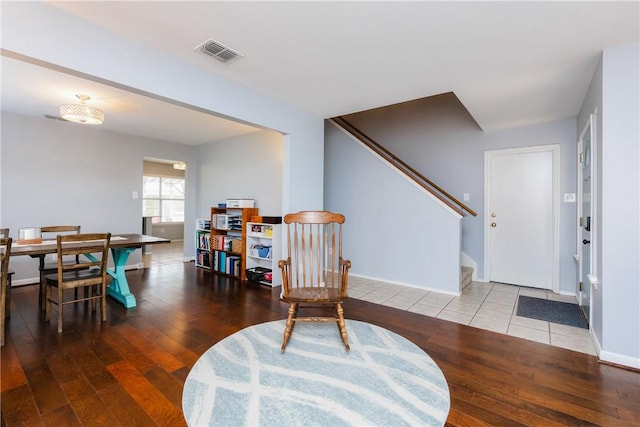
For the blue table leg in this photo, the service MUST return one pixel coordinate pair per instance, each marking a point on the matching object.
(119, 287)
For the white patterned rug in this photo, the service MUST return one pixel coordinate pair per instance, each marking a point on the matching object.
(386, 380)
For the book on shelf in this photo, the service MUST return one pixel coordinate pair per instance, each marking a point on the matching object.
(261, 230)
(226, 263)
(204, 240)
(233, 265)
(218, 263)
(222, 242)
(203, 259)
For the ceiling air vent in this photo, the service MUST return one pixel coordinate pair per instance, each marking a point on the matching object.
(218, 51)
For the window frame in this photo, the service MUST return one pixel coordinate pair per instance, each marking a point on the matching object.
(160, 198)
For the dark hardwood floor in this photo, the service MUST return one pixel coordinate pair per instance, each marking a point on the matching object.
(130, 370)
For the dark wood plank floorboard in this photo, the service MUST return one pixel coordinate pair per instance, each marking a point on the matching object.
(44, 386)
(86, 403)
(19, 407)
(124, 408)
(150, 348)
(168, 384)
(11, 372)
(62, 416)
(130, 370)
(152, 400)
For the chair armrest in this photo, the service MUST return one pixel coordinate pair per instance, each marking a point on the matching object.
(285, 268)
(345, 265)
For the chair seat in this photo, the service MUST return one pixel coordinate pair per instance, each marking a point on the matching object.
(328, 295)
(79, 275)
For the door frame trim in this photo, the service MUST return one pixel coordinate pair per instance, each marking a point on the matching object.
(592, 276)
(555, 182)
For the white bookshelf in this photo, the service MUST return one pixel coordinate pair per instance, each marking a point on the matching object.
(261, 236)
(202, 242)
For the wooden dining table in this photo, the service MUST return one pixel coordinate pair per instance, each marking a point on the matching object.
(121, 245)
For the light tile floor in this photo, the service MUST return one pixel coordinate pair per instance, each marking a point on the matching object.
(165, 253)
(490, 306)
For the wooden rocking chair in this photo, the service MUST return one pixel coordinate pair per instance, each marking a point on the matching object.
(314, 272)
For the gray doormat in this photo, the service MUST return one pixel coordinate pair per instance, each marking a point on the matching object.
(551, 311)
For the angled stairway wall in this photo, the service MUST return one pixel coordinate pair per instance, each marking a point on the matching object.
(395, 231)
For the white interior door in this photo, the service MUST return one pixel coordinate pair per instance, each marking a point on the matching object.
(521, 219)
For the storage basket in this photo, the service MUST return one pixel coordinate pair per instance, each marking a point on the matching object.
(256, 274)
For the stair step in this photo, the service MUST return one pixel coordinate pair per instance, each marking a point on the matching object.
(465, 276)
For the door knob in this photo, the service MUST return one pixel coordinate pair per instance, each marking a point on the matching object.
(493, 224)
(585, 241)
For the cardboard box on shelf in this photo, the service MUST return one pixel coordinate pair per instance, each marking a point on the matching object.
(236, 245)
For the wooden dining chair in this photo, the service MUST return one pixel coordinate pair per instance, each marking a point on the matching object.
(50, 266)
(314, 272)
(89, 272)
(4, 234)
(5, 254)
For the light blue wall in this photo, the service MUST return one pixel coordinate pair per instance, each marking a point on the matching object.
(106, 55)
(63, 173)
(614, 93)
(247, 166)
(55, 173)
(620, 201)
(393, 231)
(438, 138)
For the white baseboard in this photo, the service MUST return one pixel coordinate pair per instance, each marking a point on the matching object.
(569, 294)
(620, 359)
(409, 285)
(24, 282)
(595, 340)
(36, 280)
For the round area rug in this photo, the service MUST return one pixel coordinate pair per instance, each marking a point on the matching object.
(386, 380)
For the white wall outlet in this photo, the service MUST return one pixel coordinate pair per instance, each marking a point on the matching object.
(134, 195)
(465, 197)
(569, 197)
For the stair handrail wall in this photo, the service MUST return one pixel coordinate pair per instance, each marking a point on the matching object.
(405, 168)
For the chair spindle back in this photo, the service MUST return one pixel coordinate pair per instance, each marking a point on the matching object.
(314, 249)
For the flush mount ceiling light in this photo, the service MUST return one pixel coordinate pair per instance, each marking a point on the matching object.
(82, 113)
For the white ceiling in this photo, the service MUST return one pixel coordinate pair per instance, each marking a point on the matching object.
(37, 91)
(510, 63)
